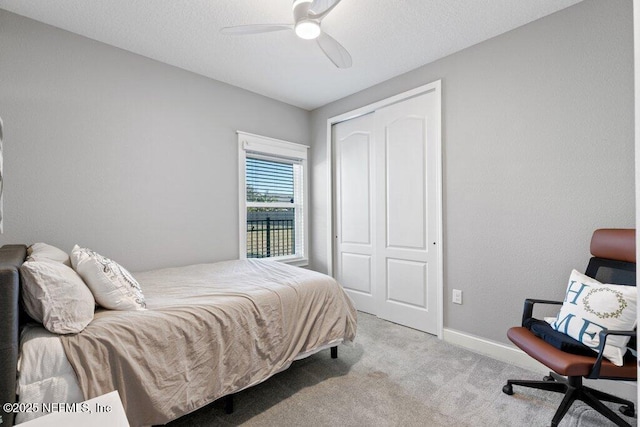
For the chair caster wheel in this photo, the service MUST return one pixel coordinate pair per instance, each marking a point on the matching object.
(628, 411)
(508, 389)
(548, 378)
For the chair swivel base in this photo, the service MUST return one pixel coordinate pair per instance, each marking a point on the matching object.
(573, 390)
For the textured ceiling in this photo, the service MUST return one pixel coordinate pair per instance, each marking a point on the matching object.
(385, 37)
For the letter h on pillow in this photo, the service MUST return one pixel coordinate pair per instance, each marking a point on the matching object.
(590, 307)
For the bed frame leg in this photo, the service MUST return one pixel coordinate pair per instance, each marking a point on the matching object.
(228, 404)
(334, 352)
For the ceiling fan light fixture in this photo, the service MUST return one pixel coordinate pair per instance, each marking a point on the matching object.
(307, 29)
(307, 18)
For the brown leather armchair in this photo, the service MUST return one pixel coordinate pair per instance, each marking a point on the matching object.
(614, 261)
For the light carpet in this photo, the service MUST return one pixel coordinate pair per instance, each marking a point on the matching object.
(395, 376)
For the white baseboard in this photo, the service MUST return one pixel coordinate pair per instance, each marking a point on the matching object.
(514, 356)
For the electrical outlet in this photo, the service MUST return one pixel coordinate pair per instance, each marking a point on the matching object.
(457, 296)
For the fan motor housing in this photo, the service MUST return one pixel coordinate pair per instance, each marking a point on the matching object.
(301, 10)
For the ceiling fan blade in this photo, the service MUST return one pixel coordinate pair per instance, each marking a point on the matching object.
(334, 51)
(320, 8)
(255, 29)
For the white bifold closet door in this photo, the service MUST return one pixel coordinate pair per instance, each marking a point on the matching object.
(385, 232)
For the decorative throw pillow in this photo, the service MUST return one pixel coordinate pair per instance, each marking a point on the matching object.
(590, 306)
(40, 251)
(111, 284)
(55, 295)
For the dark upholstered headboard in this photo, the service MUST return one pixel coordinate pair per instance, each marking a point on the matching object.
(11, 317)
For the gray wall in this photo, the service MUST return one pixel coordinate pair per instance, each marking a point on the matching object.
(538, 151)
(120, 153)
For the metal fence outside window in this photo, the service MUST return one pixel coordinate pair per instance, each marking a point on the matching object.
(270, 237)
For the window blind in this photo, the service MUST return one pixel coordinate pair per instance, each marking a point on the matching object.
(269, 181)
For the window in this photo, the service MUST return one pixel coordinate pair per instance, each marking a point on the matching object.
(273, 199)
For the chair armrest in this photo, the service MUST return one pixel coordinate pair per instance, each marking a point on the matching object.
(595, 372)
(527, 312)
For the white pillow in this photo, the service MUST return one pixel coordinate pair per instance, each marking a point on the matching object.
(111, 284)
(590, 306)
(40, 251)
(55, 295)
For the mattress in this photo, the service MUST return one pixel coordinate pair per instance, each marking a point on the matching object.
(44, 373)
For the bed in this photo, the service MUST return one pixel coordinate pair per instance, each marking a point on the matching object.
(208, 331)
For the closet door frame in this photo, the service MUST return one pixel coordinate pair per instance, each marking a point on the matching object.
(437, 240)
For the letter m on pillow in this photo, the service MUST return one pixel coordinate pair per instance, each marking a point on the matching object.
(557, 325)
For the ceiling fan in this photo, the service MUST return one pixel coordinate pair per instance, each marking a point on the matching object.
(307, 16)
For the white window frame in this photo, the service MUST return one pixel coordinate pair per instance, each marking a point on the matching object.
(261, 146)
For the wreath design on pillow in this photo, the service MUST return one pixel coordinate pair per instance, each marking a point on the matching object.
(622, 304)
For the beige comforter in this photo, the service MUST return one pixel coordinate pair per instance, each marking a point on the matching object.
(209, 330)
